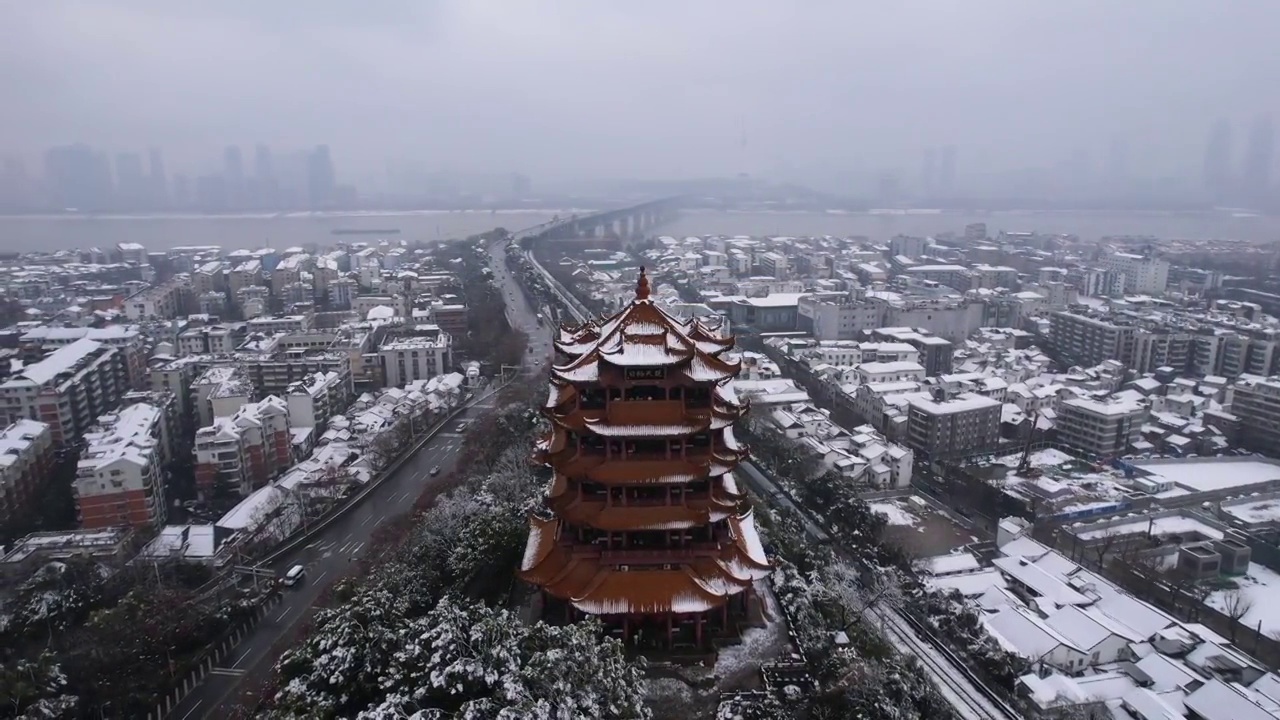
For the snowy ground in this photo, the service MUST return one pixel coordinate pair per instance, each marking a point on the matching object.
(1256, 511)
(921, 527)
(679, 692)
(673, 699)
(1048, 457)
(738, 664)
(1204, 475)
(1261, 589)
(1158, 527)
(896, 511)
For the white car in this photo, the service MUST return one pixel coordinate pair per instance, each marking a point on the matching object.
(295, 575)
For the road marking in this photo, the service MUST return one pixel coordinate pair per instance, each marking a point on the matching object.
(366, 521)
(193, 707)
(281, 617)
(242, 657)
(229, 672)
(356, 550)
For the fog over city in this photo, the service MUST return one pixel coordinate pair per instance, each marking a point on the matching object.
(602, 360)
(814, 92)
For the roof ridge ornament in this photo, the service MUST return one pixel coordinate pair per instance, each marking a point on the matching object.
(642, 286)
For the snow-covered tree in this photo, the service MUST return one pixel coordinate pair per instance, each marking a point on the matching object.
(35, 689)
(461, 660)
(57, 596)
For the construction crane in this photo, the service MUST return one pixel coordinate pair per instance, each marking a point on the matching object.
(1024, 467)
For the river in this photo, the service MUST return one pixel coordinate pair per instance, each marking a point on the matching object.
(158, 232)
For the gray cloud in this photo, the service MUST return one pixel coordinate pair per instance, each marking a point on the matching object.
(660, 89)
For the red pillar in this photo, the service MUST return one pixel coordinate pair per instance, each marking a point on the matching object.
(670, 632)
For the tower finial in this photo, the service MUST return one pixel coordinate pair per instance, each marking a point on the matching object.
(642, 286)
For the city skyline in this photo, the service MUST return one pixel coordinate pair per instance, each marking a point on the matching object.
(78, 176)
(254, 176)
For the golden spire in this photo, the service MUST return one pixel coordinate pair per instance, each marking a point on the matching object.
(642, 286)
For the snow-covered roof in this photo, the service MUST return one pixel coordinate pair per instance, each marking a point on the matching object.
(62, 360)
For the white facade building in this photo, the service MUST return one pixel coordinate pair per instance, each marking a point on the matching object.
(1142, 275)
(410, 359)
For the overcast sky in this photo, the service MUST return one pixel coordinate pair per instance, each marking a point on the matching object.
(661, 88)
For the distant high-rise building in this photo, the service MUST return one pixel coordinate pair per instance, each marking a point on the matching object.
(265, 189)
(320, 178)
(233, 175)
(947, 169)
(156, 178)
(17, 190)
(78, 177)
(929, 172)
(520, 185)
(131, 183)
(262, 162)
(1217, 161)
(1259, 155)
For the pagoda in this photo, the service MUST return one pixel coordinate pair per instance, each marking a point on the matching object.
(646, 527)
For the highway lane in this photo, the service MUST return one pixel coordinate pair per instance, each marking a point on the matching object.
(331, 554)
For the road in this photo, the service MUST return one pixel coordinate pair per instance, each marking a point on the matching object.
(520, 314)
(951, 679)
(969, 700)
(330, 553)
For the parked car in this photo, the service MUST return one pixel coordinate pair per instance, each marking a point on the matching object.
(435, 471)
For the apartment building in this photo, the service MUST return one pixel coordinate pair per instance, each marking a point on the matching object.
(210, 339)
(209, 278)
(288, 272)
(450, 317)
(907, 246)
(1100, 427)
(1143, 274)
(245, 274)
(838, 317)
(848, 353)
(315, 399)
(160, 302)
(120, 479)
(26, 459)
(1256, 401)
(67, 390)
(175, 377)
(220, 391)
(953, 276)
(280, 324)
(890, 371)
(1089, 340)
(239, 454)
(936, 354)
(941, 426)
(128, 339)
(273, 374)
(409, 359)
(357, 343)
